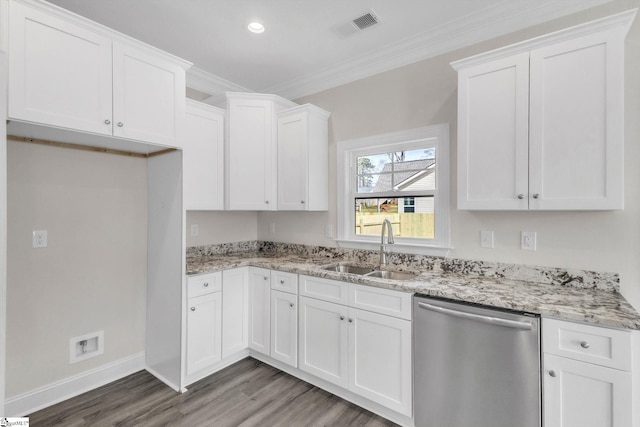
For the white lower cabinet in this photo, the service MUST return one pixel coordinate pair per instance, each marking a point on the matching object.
(587, 376)
(259, 309)
(235, 319)
(323, 346)
(284, 327)
(579, 394)
(366, 352)
(216, 320)
(380, 359)
(204, 330)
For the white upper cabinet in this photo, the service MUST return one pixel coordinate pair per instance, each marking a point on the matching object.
(577, 123)
(203, 157)
(148, 96)
(70, 73)
(66, 84)
(493, 134)
(303, 159)
(251, 150)
(541, 123)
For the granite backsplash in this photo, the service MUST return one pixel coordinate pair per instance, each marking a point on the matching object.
(398, 261)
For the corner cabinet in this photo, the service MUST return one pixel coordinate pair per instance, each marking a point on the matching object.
(251, 150)
(541, 123)
(68, 72)
(203, 157)
(303, 159)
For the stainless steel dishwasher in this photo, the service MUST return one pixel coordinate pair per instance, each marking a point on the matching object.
(475, 366)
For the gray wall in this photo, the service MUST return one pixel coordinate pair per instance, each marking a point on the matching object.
(92, 275)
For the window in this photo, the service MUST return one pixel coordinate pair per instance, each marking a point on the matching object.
(403, 177)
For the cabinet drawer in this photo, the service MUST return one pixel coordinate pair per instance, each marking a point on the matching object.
(204, 284)
(325, 289)
(592, 344)
(285, 282)
(379, 300)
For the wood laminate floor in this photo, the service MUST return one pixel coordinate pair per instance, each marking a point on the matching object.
(248, 393)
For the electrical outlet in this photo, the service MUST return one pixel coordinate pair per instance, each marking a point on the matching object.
(39, 239)
(195, 230)
(486, 239)
(272, 228)
(528, 240)
(328, 230)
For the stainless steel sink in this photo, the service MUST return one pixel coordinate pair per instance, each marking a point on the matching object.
(392, 275)
(348, 268)
(370, 272)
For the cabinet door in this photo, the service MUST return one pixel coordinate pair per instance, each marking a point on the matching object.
(323, 340)
(293, 162)
(235, 316)
(579, 394)
(203, 157)
(251, 155)
(259, 313)
(284, 327)
(148, 97)
(493, 115)
(60, 73)
(577, 130)
(204, 320)
(380, 359)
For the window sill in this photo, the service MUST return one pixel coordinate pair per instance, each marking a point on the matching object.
(404, 248)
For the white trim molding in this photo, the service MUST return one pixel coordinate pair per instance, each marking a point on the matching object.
(211, 84)
(622, 20)
(42, 397)
(488, 23)
(436, 136)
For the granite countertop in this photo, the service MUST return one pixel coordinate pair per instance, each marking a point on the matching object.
(596, 306)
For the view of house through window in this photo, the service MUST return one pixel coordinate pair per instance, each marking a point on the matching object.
(381, 180)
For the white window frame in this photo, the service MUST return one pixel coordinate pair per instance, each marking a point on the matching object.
(430, 136)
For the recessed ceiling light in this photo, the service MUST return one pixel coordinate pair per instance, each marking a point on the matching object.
(256, 27)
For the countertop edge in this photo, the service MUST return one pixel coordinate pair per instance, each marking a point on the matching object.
(570, 304)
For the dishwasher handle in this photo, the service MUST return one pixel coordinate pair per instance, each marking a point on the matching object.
(477, 317)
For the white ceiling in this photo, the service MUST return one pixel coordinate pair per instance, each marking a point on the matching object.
(300, 52)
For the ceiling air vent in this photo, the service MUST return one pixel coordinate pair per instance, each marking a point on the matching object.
(367, 20)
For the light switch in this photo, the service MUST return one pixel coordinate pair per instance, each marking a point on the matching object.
(486, 239)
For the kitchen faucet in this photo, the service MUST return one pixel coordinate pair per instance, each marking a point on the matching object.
(383, 254)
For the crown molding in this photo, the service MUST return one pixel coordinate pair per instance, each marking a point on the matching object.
(209, 83)
(465, 31)
(621, 20)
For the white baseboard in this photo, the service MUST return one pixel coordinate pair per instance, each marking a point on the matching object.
(227, 361)
(42, 397)
(162, 378)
